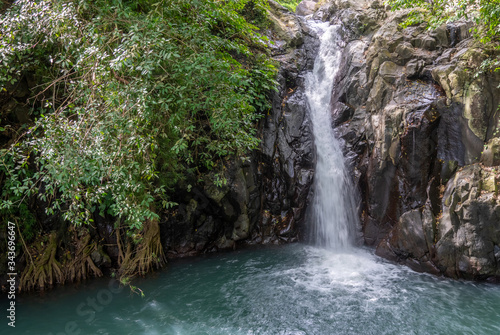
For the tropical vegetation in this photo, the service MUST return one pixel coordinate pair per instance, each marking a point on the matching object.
(126, 100)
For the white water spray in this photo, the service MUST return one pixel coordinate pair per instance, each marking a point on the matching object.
(333, 209)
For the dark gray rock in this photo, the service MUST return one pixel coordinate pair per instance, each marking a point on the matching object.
(414, 68)
(440, 34)
(458, 31)
(390, 72)
(470, 222)
(409, 240)
(414, 118)
(405, 50)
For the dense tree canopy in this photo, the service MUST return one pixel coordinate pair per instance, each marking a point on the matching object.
(130, 97)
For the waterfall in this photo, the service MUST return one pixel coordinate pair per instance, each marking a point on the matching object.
(334, 213)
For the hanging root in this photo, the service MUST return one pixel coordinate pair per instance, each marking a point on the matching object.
(45, 270)
(146, 256)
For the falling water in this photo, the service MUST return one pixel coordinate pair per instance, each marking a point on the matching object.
(333, 210)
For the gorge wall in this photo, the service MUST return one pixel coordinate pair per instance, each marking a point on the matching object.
(420, 133)
(420, 130)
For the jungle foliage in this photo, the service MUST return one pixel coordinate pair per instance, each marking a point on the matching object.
(131, 97)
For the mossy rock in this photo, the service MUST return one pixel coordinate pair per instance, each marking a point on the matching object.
(491, 153)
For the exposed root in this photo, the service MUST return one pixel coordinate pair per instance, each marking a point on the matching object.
(82, 266)
(147, 254)
(45, 270)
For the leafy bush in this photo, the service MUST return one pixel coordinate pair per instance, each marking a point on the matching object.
(290, 4)
(134, 95)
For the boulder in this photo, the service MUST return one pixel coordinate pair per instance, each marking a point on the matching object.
(405, 50)
(306, 7)
(390, 72)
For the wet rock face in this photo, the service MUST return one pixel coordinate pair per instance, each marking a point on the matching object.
(267, 193)
(210, 218)
(470, 224)
(416, 121)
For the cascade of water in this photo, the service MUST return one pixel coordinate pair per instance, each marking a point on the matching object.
(333, 209)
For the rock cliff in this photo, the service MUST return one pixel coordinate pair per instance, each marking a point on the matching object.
(420, 131)
(420, 126)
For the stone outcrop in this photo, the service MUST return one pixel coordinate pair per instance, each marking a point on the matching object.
(463, 240)
(468, 233)
(421, 135)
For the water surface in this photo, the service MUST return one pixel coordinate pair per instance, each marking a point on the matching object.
(294, 289)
